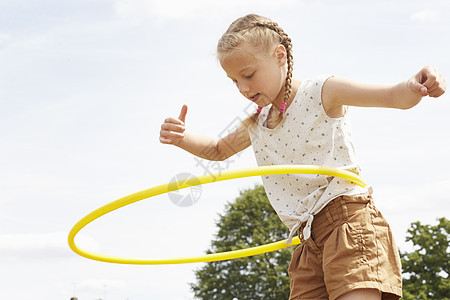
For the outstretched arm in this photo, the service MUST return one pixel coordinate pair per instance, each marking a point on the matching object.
(338, 92)
(173, 132)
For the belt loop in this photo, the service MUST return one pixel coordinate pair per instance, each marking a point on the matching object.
(344, 208)
(329, 217)
(300, 232)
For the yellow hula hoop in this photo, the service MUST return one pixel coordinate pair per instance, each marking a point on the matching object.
(193, 181)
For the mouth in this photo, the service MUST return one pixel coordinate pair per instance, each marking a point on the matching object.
(255, 97)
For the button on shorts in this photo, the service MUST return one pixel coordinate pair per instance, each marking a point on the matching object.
(351, 247)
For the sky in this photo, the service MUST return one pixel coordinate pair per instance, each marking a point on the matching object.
(86, 84)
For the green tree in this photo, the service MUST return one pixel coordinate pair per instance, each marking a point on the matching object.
(248, 221)
(426, 270)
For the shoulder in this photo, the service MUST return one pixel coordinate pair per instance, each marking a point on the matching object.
(330, 89)
(316, 89)
(316, 83)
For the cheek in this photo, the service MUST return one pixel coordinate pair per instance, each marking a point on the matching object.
(275, 82)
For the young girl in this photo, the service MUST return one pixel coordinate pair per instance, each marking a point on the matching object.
(347, 249)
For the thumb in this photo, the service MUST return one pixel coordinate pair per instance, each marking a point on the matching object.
(183, 113)
(417, 87)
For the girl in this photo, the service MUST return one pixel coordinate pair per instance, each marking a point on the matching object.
(347, 249)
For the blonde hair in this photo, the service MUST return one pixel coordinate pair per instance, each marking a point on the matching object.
(261, 33)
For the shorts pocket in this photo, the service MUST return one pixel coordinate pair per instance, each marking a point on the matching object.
(349, 250)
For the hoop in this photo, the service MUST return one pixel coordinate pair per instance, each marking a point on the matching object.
(168, 187)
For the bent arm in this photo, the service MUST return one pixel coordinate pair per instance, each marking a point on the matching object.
(338, 92)
(216, 149)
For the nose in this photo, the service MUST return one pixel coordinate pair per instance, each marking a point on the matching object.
(243, 88)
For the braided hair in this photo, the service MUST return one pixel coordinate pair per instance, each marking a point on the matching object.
(261, 32)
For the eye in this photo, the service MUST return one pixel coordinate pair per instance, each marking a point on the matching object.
(250, 76)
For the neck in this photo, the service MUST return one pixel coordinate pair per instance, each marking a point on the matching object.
(277, 103)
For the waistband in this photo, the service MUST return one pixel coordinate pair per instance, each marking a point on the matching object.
(336, 210)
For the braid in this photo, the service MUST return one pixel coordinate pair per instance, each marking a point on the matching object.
(287, 43)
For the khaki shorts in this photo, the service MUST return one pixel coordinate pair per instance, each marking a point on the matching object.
(351, 247)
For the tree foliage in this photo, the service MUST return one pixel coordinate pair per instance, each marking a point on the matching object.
(426, 270)
(248, 221)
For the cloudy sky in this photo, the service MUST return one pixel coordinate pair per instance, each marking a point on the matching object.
(85, 85)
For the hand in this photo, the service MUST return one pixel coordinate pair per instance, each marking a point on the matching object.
(428, 82)
(172, 130)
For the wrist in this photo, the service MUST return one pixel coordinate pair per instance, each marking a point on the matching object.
(406, 96)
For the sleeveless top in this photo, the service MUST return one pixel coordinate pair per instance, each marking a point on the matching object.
(305, 136)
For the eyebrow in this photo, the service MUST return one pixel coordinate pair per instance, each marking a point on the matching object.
(244, 69)
(241, 71)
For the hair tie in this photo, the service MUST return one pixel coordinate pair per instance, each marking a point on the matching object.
(258, 111)
(283, 107)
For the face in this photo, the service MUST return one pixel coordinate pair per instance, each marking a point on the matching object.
(259, 76)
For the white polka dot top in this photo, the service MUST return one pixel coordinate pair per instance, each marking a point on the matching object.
(306, 136)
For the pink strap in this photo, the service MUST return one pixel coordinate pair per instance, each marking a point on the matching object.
(283, 107)
(258, 111)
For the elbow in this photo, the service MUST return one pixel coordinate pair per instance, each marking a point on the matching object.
(221, 158)
(219, 154)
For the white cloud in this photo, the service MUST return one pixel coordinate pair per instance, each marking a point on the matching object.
(425, 16)
(40, 245)
(419, 199)
(99, 286)
(402, 205)
(179, 9)
(4, 38)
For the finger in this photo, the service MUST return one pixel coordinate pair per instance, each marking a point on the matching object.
(168, 141)
(430, 81)
(183, 113)
(425, 73)
(418, 87)
(165, 140)
(171, 134)
(434, 87)
(172, 127)
(423, 80)
(173, 121)
(436, 91)
(436, 84)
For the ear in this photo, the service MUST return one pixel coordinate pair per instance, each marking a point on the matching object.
(280, 55)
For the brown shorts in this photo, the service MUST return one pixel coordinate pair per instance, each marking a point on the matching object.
(351, 247)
